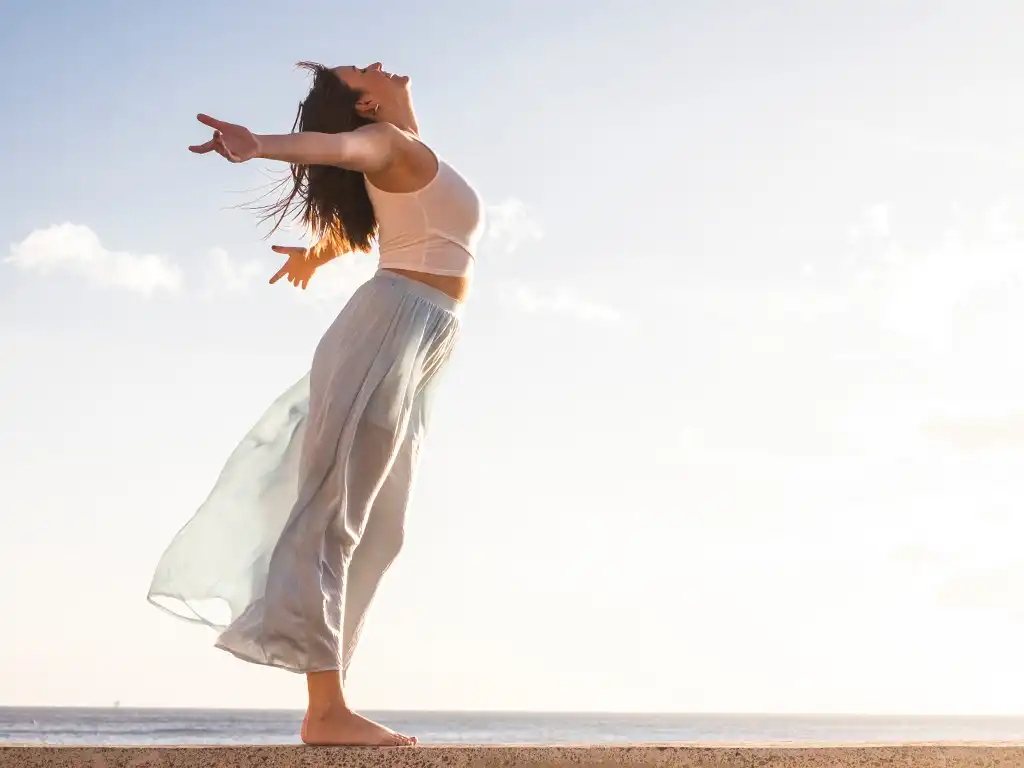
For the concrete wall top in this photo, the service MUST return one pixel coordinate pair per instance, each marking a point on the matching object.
(637, 756)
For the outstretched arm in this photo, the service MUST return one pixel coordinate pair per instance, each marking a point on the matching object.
(367, 149)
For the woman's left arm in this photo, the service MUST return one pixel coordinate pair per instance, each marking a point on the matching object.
(367, 149)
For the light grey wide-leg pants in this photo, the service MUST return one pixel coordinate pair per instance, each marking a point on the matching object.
(285, 555)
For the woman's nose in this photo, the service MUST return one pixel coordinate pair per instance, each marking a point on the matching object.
(376, 65)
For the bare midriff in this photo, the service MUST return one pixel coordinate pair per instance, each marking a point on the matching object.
(455, 286)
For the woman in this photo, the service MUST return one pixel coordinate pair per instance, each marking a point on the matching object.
(308, 513)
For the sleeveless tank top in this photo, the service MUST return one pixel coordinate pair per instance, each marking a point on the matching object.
(435, 229)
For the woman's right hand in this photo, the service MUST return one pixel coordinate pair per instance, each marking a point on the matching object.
(299, 267)
(234, 143)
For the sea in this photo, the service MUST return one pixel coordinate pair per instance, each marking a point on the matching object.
(122, 725)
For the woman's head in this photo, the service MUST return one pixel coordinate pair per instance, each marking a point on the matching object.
(383, 95)
(333, 202)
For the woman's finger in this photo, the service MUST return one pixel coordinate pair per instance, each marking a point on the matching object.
(213, 122)
(279, 274)
(224, 150)
(287, 250)
(201, 149)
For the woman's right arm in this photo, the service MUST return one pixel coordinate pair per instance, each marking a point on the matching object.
(322, 252)
(367, 149)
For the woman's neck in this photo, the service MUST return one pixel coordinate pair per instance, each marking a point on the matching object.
(403, 117)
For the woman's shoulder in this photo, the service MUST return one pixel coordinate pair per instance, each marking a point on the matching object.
(379, 132)
(388, 131)
(398, 140)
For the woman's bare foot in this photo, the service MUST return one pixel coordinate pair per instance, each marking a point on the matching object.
(340, 726)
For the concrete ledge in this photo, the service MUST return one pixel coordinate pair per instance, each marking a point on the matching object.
(639, 756)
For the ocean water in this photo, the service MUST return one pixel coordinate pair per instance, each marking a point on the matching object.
(197, 726)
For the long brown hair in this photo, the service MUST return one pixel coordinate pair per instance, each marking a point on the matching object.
(332, 202)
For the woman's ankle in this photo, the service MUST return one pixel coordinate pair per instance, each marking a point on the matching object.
(325, 695)
(322, 709)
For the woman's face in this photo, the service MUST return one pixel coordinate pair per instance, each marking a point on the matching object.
(374, 81)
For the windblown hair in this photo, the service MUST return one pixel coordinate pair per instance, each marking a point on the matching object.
(331, 202)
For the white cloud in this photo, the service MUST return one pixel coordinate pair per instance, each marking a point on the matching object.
(903, 347)
(959, 285)
(226, 275)
(1000, 432)
(509, 225)
(874, 223)
(876, 220)
(980, 587)
(936, 313)
(74, 249)
(559, 302)
(965, 286)
(1006, 219)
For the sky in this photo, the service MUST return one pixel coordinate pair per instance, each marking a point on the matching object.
(737, 418)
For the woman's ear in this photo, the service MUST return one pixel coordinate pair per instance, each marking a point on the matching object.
(366, 107)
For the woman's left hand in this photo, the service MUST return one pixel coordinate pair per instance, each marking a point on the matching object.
(234, 143)
(299, 267)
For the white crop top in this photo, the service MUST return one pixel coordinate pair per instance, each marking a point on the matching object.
(435, 229)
